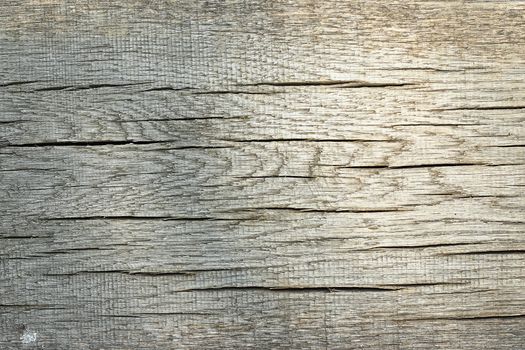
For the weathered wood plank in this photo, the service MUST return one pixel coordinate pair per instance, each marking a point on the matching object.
(268, 319)
(208, 43)
(311, 113)
(217, 183)
(344, 251)
(300, 174)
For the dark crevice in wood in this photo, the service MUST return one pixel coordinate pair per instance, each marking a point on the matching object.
(489, 252)
(153, 274)
(72, 250)
(478, 108)
(453, 219)
(174, 313)
(232, 92)
(13, 121)
(435, 124)
(178, 119)
(145, 314)
(312, 210)
(86, 143)
(508, 146)
(460, 291)
(166, 88)
(424, 284)
(186, 272)
(459, 318)
(432, 165)
(375, 85)
(123, 272)
(294, 289)
(438, 194)
(211, 92)
(430, 245)
(87, 87)
(304, 83)
(339, 83)
(57, 252)
(487, 196)
(278, 177)
(162, 273)
(131, 217)
(179, 148)
(364, 167)
(308, 140)
(121, 316)
(432, 69)
(415, 166)
(460, 195)
(385, 287)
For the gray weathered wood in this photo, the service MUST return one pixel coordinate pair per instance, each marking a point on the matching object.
(262, 174)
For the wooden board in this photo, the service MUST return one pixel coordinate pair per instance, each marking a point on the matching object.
(262, 174)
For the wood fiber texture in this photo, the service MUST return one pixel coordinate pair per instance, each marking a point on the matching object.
(262, 174)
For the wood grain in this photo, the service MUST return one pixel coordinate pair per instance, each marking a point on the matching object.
(262, 175)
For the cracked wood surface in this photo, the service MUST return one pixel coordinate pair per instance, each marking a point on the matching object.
(262, 175)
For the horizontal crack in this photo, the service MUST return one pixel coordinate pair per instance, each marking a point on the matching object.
(85, 143)
(87, 87)
(509, 146)
(124, 272)
(312, 210)
(429, 165)
(339, 83)
(423, 284)
(478, 108)
(276, 177)
(303, 83)
(430, 245)
(444, 70)
(14, 121)
(142, 314)
(164, 273)
(178, 119)
(166, 88)
(233, 92)
(435, 124)
(295, 289)
(459, 318)
(375, 85)
(131, 217)
(488, 252)
(300, 139)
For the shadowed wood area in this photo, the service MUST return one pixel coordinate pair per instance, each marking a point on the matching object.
(262, 174)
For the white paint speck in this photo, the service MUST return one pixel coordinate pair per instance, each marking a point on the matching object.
(28, 337)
